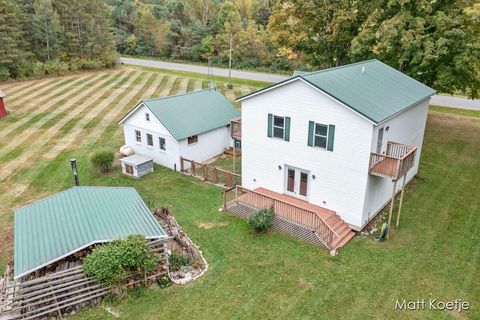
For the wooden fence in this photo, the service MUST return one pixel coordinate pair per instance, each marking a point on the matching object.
(210, 173)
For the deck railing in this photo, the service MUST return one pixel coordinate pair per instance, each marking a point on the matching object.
(209, 173)
(281, 209)
(236, 128)
(398, 159)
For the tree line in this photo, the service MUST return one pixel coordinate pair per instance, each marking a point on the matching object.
(436, 42)
(54, 37)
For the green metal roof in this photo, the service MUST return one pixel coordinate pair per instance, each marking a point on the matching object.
(193, 113)
(298, 73)
(371, 88)
(69, 221)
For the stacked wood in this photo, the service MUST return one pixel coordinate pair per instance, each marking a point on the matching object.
(61, 288)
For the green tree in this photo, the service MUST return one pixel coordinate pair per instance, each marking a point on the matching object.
(13, 47)
(146, 31)
(434, 42)
(46, 29)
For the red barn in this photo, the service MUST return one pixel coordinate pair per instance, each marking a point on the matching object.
(3, 111)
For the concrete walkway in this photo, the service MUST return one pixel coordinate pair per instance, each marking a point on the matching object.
(446, 101)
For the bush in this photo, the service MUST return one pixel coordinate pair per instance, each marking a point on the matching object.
(176, 261)
(102, 161)
(115, 261)
(261, 220)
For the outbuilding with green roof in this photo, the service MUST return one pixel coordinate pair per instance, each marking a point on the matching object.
(65, 223)
(194, 125)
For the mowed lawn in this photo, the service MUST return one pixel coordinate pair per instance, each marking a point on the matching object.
(435, 253)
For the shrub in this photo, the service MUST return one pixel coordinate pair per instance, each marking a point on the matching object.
(176, 261)
(115, 261)
(102, 161)
(261, 220)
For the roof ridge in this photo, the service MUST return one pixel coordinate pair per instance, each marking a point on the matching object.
(179, 95)
(69, 190)
(338, 67)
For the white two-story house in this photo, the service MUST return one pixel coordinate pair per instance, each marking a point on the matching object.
(338, 138)
(194, 125)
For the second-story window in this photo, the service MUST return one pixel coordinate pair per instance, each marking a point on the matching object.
(321, 135)
(278, 127)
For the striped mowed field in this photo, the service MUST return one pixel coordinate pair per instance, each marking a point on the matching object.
(53, 119)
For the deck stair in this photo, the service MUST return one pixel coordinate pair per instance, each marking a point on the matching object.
(296, 217)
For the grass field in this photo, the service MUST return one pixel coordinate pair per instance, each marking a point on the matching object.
(434, 254)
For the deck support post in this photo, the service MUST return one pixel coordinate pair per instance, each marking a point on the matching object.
(391, 205)
(401, 199)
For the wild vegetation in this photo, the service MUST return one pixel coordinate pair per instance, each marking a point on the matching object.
(434, 253)
(113, 262)
(53, 37)
(436, 42)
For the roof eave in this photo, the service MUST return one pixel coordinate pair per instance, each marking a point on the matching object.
(405, 109)
(281, 83)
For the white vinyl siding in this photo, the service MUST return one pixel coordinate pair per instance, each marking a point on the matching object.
(340, 176)
(209, 145)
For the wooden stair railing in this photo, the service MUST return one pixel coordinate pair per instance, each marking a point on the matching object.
(282, 209)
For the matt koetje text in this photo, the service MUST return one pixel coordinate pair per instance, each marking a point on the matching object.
(432, 304)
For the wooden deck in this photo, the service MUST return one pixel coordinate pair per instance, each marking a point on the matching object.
(236, 128)
(325, 224)
(398, 159)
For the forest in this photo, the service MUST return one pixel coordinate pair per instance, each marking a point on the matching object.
(436, 42)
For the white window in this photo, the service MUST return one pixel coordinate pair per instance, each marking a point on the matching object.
(147, 116)
(149, 140)
(162, 143)
(138, 136)
(279, 127)
(320, 135)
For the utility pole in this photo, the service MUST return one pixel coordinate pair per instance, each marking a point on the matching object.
(230, 86)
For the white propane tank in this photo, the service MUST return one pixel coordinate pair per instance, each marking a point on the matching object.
(126, 151)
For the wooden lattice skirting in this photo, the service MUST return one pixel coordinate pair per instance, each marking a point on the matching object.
(279, 224)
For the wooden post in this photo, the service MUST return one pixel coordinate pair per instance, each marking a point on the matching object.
(205, 172)
(401, 199)
(229, 179)
(391, 206)
(215, 174)
(225, 200)
(193, 167)
(182, 169)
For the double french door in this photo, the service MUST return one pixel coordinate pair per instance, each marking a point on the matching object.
(297, 182)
